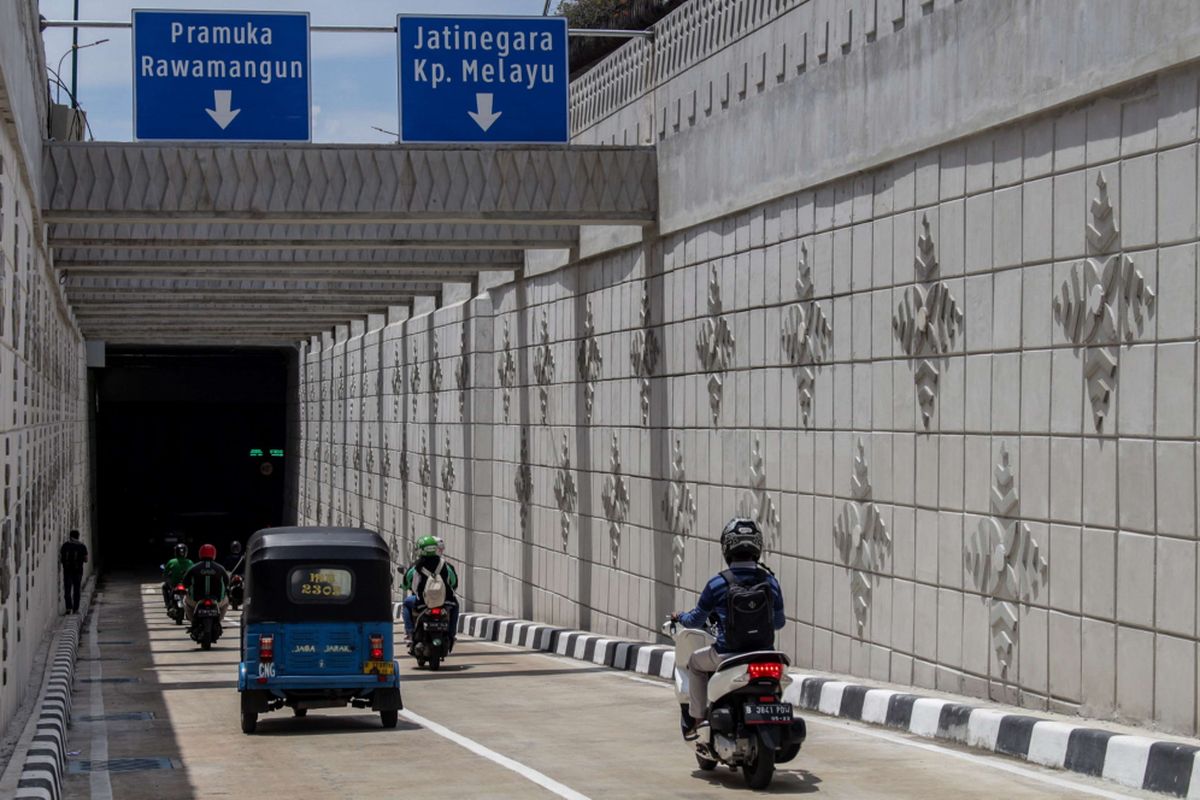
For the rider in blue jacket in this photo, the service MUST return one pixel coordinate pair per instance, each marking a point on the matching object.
(741, 544)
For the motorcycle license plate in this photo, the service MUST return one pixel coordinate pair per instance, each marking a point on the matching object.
(768, 713)
(378, 667)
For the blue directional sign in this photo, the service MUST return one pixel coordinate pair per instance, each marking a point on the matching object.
(216, 75)
(483, 79)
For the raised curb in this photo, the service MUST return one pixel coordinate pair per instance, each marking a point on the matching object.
(640, 657)
(1139, 762)
(45, 760)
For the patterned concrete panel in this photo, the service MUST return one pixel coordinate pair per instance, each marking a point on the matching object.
(139, 182)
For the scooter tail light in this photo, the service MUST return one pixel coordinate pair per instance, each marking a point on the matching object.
(180, 588)
(266, 647)
(376, 647)
(766, 669)
(437, 612)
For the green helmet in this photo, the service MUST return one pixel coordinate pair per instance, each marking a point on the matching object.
(427, 546)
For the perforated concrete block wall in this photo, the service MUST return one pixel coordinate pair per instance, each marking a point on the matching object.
(939, 339)
(43, 413)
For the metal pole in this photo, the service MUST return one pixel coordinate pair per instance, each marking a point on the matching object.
(75, 60)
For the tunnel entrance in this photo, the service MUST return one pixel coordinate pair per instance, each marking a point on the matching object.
(190, 446)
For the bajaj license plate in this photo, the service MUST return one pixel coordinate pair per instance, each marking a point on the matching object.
(378, 667)
(768, 713)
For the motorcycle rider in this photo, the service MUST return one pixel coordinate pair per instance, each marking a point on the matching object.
(429, 556)
(741, 545)
(206, 580)
(233, 561)
(174, 571)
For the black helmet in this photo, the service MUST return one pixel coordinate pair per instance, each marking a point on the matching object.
(741, 540)
(181, 550)
(235, 547)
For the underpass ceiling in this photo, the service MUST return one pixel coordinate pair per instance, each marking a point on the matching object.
(272, 244)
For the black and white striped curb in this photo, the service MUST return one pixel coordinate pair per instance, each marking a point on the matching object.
(647, 659)
(1139, 762)
(46, 759)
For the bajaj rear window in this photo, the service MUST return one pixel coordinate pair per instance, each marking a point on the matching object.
(316, 584)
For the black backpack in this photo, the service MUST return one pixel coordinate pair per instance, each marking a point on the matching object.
(749, 613)
(73, 555)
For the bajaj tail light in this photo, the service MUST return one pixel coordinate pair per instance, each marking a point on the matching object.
(376, 647)
(769, 669)
(266, 647)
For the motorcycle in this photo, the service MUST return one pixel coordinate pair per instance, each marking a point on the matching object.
(206, 623)
(431, 639)
(175, 609)
(237, 592)
(749, 725)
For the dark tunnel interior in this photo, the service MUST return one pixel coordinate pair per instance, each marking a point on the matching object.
(190, 446)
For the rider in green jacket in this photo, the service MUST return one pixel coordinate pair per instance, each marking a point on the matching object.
(174, 571)
(429, 557)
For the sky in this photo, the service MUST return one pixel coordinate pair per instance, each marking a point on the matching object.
(353, 74)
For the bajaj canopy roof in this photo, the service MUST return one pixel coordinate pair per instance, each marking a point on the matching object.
(273, 553)
(313, 542)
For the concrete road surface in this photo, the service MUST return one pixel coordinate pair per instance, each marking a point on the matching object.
(496, 722)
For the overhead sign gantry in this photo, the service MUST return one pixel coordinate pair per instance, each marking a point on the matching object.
(221, 76)
(500, 80)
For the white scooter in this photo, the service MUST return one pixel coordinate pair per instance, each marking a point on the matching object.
(749, 725)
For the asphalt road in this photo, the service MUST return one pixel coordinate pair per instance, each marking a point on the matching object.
(495, 722)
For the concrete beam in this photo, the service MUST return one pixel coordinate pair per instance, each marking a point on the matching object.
(351, 274)
(166, 230)
(348, 255)
(375, 301)
(323, 184)
(156, 283)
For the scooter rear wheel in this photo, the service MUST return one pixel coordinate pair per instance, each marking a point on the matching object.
(758, 773)
(435, 663)
(706, 764)
(299, 712)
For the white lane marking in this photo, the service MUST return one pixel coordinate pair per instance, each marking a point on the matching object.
(645, 680)
(98, 781)
(529, 773)
(983, 761)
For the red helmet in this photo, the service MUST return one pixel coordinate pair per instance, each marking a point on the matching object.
(207, 552)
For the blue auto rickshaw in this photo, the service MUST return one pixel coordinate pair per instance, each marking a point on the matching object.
(317, 624)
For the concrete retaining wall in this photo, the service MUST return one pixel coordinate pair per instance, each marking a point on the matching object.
(43, 413)
(923, 302)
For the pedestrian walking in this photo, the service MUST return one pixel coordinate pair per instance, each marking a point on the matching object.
(72, 556)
